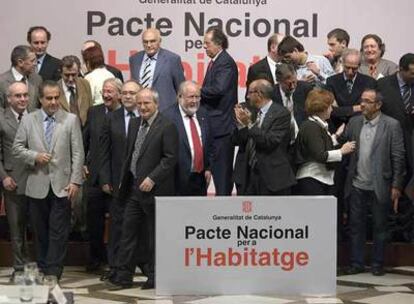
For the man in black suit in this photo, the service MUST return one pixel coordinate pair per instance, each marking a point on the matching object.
(98, 201)
(148, 171)
(115, 71)
(218, 96)
(112, 145)
(192, 174)
(48, 67)
(266, 67)
(347, 87)
(264, 142)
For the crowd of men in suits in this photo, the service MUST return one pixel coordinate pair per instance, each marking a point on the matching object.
(160, 135)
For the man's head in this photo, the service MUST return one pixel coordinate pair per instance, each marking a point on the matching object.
(286, 77)
(18, 96)
(272, 44)
(259, 93)
(70, 70)
(23, 59)
(49, 93)
(129, 94)
(351, 59)
(407, 68)
(371, 102)
(189, 95)
(214, 41)
(290, 50)
(111, 93)
(151, 41)
(147, 103)
(38, 38)
(338, 41)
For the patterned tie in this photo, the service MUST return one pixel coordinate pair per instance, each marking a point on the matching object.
(406, 97)
(73, 104)
(198, 161)
(373, 71)
(131, 114)
(146, 74)
(294, 129)
(142, 133)
(19, 118)
(50, 126)
(349, 85)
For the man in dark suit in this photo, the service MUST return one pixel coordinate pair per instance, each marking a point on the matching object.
(112, 145)
(98, 201)
(49, 141)
(375, 178)
(218, 96)
(47, 66)
(115, 71)
(192, 174)
(148, 171)
(13, 173)
(23, 60)
(347, 87)
(157, 68)
(266, 67)
(264, 142)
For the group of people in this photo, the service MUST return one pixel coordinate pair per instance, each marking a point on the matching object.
(339, 124)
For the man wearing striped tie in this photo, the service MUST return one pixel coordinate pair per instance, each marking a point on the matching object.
(157, 68)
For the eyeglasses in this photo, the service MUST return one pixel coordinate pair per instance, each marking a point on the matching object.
(252, 91)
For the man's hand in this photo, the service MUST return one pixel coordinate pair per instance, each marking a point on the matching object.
(243, 116)
(85, 172)
(207, 176)
(72, 190)
(313, 67)
(395, 196)
(43, 158)
(146, 185)
(309, 78)
(9, 184)
(356, 108)
(107, 188)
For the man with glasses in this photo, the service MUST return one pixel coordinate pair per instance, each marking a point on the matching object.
(157, 68)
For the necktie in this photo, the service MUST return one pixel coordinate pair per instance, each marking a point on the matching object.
(210, 64)
(251, 145)
(38, 66)
(73, 105)
(19, 118)
(131, 114)
(142, 133)
(294, 129)
(198, 161)
(406, 97)
(146, 74)
(50, 126)
(349, 85)
(373, 70)
(24, 80)
(289, 102)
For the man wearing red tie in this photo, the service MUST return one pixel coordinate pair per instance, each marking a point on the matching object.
(195, 146)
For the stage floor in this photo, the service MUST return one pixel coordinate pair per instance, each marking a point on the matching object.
(396, 287)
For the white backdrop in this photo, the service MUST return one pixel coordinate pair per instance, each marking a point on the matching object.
(109, 22)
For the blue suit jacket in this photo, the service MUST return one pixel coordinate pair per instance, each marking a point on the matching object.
(168, 75)
(183, 169)
(219, 94)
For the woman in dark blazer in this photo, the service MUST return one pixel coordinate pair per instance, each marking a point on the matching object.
(315, 151)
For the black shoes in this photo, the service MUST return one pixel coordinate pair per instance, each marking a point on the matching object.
(112, 286)
(355, 270)
(149, 284)
(377, 271)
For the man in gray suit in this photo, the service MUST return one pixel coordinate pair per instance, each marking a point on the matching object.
(49, 141)
(12, 172)
(157, 68)
(375, 178)
(23, 61)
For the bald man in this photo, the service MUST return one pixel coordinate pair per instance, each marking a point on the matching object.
(157, 68)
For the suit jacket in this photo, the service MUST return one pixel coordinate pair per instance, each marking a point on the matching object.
(34, 81)
(157, 159)
(51, 68)
(259, 70)
(387, 156)
(91, 141)
(183, 168)
(66, 149)
(345, 101)
(112, 146)
(84, 98)
(299, 97)
(272, 141)
(9, 165)
(117, 73)
(168, 75)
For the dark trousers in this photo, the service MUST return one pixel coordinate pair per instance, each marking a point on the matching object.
(135, 215)
(256, 186)
(17, 216)
(116, 213)
(98, 202)
(51, 225)
(222, 165)
(311, 186)
(359, 203)
(195, 186)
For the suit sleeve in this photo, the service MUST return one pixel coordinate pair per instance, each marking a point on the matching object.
(77, 152)
(3, 173)
(20, 145)
(169, 154)
(133, 67)
(105, 152)
(178, 73)
(87, 137)
(398, 156)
